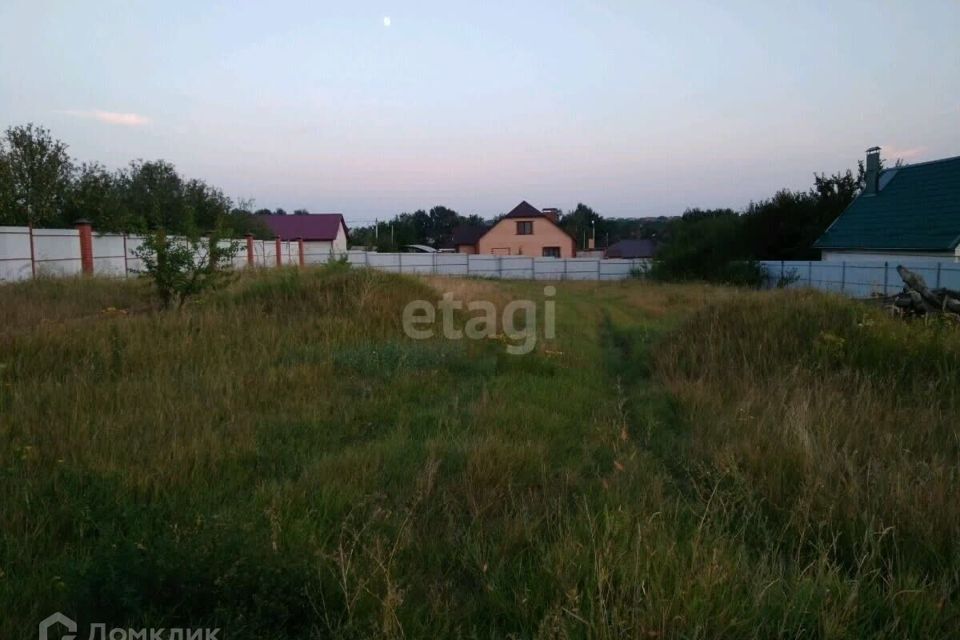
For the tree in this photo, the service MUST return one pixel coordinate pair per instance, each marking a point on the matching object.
(783, 227)
(7, 197)
(279, 212)
(97, 195)
(707, 245)
(206, 206)
(301, 212)
(442, 222)
(243, 206)
(420, 227)
(155, 192)
(240, 223)
(37, 172)
(184, 267)
(581, 223)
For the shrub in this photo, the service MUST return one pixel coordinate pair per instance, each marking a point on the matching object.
(707, 246)
(184, 267)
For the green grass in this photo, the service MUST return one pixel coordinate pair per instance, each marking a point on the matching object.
(280, 461)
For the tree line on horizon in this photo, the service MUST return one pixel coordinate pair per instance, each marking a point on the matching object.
(435, 228)
(41, 185)
(700, 244)
(725, 245)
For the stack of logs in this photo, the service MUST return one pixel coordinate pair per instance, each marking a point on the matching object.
(917, 299)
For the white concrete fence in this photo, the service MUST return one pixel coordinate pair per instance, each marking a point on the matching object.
(489, 266)
(862, 278)
(26, 253)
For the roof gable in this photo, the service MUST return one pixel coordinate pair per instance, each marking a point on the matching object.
(470, 235)
(525, 210)
(916, 208)
(313, 226)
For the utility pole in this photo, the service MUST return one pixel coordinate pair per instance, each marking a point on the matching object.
(376, 228)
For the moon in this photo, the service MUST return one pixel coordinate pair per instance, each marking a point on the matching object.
(387, 21)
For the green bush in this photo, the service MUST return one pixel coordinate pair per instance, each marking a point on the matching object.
(707, 246)
(184, 267)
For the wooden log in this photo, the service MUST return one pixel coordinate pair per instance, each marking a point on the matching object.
(937, 300)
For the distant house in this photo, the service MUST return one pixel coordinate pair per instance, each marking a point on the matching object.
(320, 232)
(903, 212)
(466, 237)
(642, 248)
(525, 231)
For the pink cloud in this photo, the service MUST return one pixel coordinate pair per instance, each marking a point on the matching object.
(111, 117)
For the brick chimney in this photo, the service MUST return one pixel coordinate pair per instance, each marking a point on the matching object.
(872, 171)
(552, 213)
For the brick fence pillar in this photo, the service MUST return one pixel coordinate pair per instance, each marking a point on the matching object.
(300, 247)
(86, 246)
(249, 238)
(279, 256)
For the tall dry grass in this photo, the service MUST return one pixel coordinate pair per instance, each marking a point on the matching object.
(830, 430)
(280, 461)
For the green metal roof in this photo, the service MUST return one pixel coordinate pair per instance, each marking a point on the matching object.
(917, 207)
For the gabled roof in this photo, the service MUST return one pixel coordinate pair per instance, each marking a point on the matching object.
(525, 210)
(642, 248)
(313, 226)
(917, 207)
(467, 234)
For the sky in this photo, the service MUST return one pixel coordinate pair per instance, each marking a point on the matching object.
(636, 108)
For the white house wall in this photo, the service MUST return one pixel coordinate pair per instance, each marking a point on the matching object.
(340, 242)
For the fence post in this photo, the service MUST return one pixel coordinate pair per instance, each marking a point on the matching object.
(843, 275)
(434, 257)
(33, 257)
(500, 267)
(598, 270)
(249, 238)
(300, 249)
(938, 275)
(126, 265)
(886, 269)
(279, 255)
(86, 246)
(809, 273)
(563, 276)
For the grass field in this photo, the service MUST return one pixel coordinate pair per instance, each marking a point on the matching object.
(278, 460)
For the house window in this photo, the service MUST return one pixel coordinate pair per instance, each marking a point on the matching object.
(551, 252)
(525, 228)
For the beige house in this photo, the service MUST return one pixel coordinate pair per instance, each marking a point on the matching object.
(525, 231)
